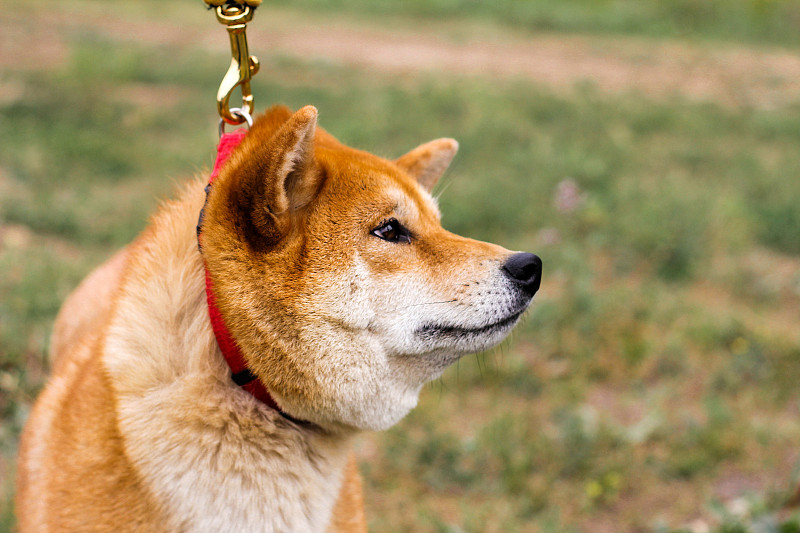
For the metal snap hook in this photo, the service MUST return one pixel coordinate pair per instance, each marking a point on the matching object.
(243, 66)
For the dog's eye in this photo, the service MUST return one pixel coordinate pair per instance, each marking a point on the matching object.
(392, 231)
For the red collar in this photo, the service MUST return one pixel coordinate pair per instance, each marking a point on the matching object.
(240, 374)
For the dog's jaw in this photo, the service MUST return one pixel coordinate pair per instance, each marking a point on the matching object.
(378, 340)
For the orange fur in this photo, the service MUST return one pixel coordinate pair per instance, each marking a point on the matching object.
(140, 427)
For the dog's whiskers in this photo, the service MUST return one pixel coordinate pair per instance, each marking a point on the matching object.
(424, 303)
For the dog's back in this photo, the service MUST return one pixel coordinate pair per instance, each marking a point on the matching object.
(71, 450)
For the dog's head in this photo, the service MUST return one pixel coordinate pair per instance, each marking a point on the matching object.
(335, 276)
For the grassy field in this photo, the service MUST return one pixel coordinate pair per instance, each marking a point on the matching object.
(654, 385)
(757, 21)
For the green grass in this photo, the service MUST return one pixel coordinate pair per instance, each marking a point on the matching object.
(655, 379)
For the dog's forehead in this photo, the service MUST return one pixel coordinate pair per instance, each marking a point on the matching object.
(367, 179)
(410, 207)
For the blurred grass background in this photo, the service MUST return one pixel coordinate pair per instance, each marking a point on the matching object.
(763, 21)
(654, 386)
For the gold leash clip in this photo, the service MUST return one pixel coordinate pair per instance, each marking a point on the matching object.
(243, 66)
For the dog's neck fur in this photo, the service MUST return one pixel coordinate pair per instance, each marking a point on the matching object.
(255, 469)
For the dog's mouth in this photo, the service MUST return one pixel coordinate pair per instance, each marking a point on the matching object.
(439, 332)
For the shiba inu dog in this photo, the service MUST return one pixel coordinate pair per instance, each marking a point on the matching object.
(326, 271)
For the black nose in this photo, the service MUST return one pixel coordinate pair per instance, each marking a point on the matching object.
(525, 269)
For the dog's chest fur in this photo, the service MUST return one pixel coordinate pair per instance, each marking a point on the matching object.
(211, 454)
(244, 472)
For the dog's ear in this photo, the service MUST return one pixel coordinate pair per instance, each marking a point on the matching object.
(428, 161)
(294, 177)
(277, 174)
